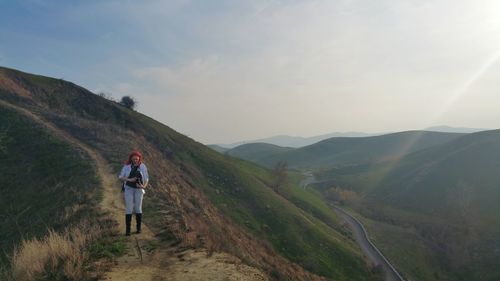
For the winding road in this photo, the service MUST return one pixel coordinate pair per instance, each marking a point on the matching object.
(360, 235)
(368, 248)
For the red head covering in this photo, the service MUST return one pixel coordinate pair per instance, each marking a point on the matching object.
(132, 154)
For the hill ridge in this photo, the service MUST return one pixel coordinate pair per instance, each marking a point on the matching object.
(342, 150)
(198, 224)
(149, 265)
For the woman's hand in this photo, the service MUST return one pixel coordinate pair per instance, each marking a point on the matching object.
(131, 179)
(140, 185)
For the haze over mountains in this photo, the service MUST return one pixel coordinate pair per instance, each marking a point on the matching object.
(430, 199)
(341, 151)
(297, 141)
(448, 129)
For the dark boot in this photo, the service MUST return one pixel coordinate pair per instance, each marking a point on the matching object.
(128, 220)
(138, 219)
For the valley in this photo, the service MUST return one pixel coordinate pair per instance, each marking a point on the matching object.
(428, 201)
(371, 252)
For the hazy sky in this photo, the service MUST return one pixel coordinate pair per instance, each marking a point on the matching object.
(224, 71)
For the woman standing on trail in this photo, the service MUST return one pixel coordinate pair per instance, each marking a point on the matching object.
(134, 174)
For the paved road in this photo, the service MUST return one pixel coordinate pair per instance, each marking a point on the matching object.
(309, 178)
(368, 248)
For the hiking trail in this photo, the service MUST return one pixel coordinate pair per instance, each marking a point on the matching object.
(144, 258)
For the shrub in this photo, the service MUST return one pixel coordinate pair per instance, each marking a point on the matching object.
(106, 96)
(60, 256)
(128, 102)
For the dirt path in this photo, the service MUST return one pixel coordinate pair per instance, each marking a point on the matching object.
(144, 260)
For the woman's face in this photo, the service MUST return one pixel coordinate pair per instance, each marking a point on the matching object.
(135, 160)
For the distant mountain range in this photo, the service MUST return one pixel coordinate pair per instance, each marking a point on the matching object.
(294, 141)
(432, 197)
(448, 129)
(297, 141)
(342, 151)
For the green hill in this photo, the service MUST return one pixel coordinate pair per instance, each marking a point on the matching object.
(50, 193)
(446, 199)
(295, 141)
(197, 196)
(255, 152)
(218, 148)
(38, 170)
(343, 151)
(468, 164)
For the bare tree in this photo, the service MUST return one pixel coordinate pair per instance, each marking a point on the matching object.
(280, 176)
(106, 96)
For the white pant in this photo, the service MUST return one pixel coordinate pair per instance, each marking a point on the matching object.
(133, 199)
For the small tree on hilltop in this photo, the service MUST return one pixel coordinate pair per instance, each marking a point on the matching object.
(128, 102)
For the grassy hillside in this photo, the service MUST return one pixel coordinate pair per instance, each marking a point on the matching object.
(43, 178)
(445, 199)
(48, 186)
(341, 151)
(254, 152)
(466, 167)
(193, 188)
(302, 236)
(218, 148)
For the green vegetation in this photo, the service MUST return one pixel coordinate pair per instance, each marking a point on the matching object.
(49, 197)
(310, 201)
(429, 200)
(342, 151)
(435, 212)
(128, 102)
(45, 182)
(240, 190)
(414, 258)
(259, 152)
(218, 148)
(108, 247)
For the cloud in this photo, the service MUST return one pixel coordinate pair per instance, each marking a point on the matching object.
(229, 70)
(308, 67)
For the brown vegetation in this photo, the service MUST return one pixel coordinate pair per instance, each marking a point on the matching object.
(181, 209)
(57, 255)
(199, 223)
(343, 196)
(9, 84)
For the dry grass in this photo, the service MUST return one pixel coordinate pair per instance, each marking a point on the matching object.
(57, 255)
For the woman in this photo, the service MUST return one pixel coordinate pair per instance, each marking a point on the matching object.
(135, 177)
